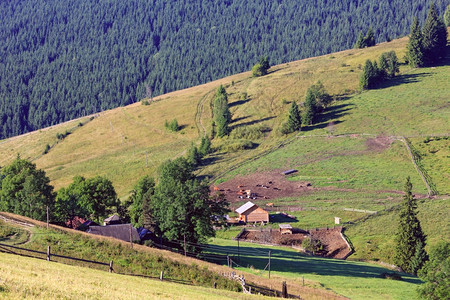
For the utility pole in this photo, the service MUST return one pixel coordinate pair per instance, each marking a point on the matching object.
(239, 256)
(184, 241)
(269, 264)
(131, 236)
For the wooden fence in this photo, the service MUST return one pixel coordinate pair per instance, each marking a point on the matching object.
(48, 256)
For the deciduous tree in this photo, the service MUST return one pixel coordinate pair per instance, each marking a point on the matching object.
(26, 190)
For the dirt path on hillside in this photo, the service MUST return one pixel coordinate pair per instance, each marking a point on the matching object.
(22, 225)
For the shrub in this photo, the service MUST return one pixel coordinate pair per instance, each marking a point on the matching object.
(172, 125)
(236, 145)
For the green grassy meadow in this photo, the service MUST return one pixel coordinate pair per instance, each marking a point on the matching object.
(355, 280)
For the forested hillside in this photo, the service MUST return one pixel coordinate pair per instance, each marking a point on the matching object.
(61, 59)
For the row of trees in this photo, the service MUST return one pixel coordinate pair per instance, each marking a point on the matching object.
(177, 206)
(26, 190)
(60, 61)
(427, 46)
(374, 73)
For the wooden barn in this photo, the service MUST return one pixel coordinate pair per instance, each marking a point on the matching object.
(250, 212)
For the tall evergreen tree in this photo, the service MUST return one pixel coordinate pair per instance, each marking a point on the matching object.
(221, 112)
(369, 75)
(434, 36)
(309, 111)
(415, 45)
(294, 122)
(410, 239)
(447, 16)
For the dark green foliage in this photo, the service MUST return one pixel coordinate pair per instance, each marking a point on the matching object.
(221, 113)
(415, 46)
(68, 205)
(317, 99)
(323, 99)
(309, 108)
(392, 64)
(410, 240)
(365, 41)
(182, 205)
(26, 190)
(141, 197)
(172, 125)
(46, 149)
(435, 274)
(94, 198)
(193, 156)
(205, 146)
(60, 61)
(434, 37)
(369, 76)
(294, 122)
(261, 68)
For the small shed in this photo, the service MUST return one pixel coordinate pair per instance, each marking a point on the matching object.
(289, 172)
(285, 228)
(250, 212)
(114, 219)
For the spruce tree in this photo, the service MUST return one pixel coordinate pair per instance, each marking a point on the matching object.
(369, 39)
(415, 45)
(309, 108)
(410, 239)
(367, 75)
(360, 41)
(447, 16)
(205, 146)
(434, 36)
(294, 122)
(221, 112)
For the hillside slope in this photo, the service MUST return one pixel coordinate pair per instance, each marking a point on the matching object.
(63, 59)
(125, 143)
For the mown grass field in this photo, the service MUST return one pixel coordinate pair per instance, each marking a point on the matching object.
(30, 278)
(355, 280)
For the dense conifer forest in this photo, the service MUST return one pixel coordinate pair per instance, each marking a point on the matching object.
(61, 59)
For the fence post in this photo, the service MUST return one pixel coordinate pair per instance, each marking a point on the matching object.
(303, 280)
(284, 290)
(48, 253)
(269, 264)
(110, 266)
(215, 285)
(161, 277)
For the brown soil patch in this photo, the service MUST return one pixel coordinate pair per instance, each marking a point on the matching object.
(263, 186)
(334, 245)
(379, 144)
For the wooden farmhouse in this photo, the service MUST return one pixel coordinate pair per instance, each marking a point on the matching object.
(250, 212)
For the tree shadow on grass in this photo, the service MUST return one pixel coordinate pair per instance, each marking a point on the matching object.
(330, 114)
(401, 79)
(239, 119)
(297, 263)
(251, 122)
(240, 102)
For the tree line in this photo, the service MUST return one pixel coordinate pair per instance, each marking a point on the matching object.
(175, 206)
(63, 59)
